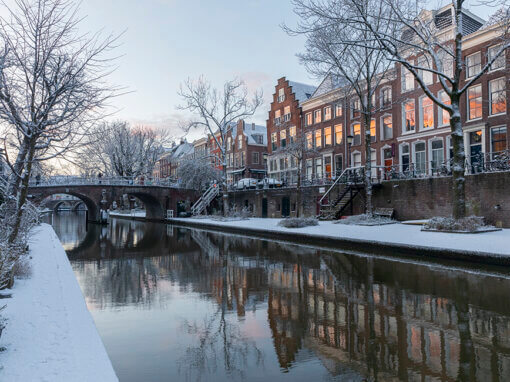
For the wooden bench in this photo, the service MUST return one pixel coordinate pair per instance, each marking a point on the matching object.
(384, 212)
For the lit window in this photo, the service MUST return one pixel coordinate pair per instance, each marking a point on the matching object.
(283, 138)
(372, 130)
(474, 95)
(286, 114)
(427, 113)
(407, 79)
(387, 127)
(327, 113)
(338, 110)
(473, 64)
(327, 136)
(308, 119)
(317, 116)
(444, 116)
(409, 116)
(318, 138)
(338, 134)
(309, 140)
(292, 134)
(385, 97)
(498, 62)
(274, 141)
(277, 117)
(498, 140)
(356, 133)
(497, 94)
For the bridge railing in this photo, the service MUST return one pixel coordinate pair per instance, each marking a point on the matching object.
(107, 181)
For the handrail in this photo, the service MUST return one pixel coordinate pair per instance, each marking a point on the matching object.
(338, 180)
(205, 199)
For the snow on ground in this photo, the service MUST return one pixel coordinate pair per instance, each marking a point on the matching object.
(411, 235)
(133, 213)
(50, 334)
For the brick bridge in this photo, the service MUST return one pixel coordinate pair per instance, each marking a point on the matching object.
(99, 194)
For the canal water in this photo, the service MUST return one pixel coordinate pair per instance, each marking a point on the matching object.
(181, 304)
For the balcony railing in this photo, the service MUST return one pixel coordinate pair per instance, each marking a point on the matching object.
(106, 181)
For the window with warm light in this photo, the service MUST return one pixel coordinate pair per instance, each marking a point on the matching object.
(327, 113)
(292, 134)
(274, 139)
(338, 134)
(387, 127)
(308, 119)
(286, 114)
(317, 116)
(372, 131)
(473, 64)
(277, 117)
(498, 140)
(327, 136)
(318, 138)
(409, 116)
(444, 116)
(338, 110)
(309, 140)
(427, 113)
(474, 95)
(497, 96)
(356, 133)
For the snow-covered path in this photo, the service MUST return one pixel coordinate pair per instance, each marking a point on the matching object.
(496, 243)
(50, 334)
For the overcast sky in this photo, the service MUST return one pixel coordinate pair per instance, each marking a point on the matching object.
(166, 41)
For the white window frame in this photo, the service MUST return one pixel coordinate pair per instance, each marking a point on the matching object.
(504, 80)
(431, 154)
(281, 95)
(383, 89)
(422, 114)
(317, 113)
(415, 162)
(404, 130)
(404, 73)
(468, 66)
(401, 155)
(383, 138)
(330, 113)
(468, 107)
(501, 57)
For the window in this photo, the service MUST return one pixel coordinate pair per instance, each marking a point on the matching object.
(317, 116)
(273, 141)
(318, 167)
(473, 64)
(338, 110)
(372, 130)
(387, 123)
(281, 95)
(420, 157)
(286, 114)
(258, 138)
(500, 61)
(318, 138)
(255, 157)
(498, 140)
(409, 116)
(474, 95)
(426, 75)
(427, 113)
(327, 113)
(309, 140)
(339, 134)
(240, 140)
(356, 159)
(308, 119)
(309, 168)
(446, 62)
(243, 158)
(497, 94)
(277, 117)
(355, 108)
(356, 132)
(328, 169)
(407, 80)
(385, 97)
(292, 134)
(444, 116)
(229, 143)
(283, 138)
(404, 158)
(327, 136)
(437, 155)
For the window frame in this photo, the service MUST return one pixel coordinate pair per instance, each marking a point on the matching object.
(404, 114)
(341, 133)
(503, 91)
(468, 66)
(502, 57)
(468, 114)
(422, 113)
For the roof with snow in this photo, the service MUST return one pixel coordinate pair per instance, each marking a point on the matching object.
(253, 132)
(302, 91)
(329, 83)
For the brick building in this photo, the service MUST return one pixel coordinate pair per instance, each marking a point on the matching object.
(246, 151)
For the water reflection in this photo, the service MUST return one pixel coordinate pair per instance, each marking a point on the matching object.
(185, 304)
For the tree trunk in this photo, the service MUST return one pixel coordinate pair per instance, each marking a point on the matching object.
(368, 166)
(458, 164)
(18, 168)
(299, 196)
(225, 190)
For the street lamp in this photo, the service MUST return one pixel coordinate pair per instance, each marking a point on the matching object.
(350, 139)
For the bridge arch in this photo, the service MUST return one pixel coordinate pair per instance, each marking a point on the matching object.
(153, 208)
(92, 208)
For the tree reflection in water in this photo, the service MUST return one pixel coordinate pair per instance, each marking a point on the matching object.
(360, 317)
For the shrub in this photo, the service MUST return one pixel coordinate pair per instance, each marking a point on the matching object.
(467, 224)
(298, 222)
(366, 219)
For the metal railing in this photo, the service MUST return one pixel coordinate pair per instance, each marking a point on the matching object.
(351, 175)
(205, 199)
(107, 181)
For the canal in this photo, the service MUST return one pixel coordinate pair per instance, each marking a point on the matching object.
(180, 304)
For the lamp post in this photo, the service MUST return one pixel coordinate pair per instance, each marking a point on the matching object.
(350, 139)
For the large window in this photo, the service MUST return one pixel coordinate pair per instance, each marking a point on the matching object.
(426, 75)
(444, 116)
(498, 139)
(255, 157)
(318, 167)
(229, 143)
(407, 80)
(338, 110)
(317, 116)
(274, 139)
(240, 140)
(327, 113)
(446, 62)
(356, 133)
(385, 97)
(327, 136)
(372, 131)
(497, 96)
(339, 134)
(318, 138)
(500, 61)
(474, 95)
(283, 138)
(437, 155)
(420, 160)
(277, 117)
(404, 157)
(309, 140)
(473, 64)
(355, 108)
(292, 134)
(286, 114)
(281, 95)
(356, 159)
(308, 119)
(427, 113)
(387, 127)
(409, 116)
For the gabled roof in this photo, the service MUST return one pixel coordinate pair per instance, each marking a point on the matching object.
(302, 91)
(329, 83)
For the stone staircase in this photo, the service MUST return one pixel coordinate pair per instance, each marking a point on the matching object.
(206, 199)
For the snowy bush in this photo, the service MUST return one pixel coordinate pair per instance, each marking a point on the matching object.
(298, 222)
(467, 224)
(366, 219)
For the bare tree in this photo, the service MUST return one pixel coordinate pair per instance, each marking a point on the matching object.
(427, 44)
(197, 174)
(52, 85)
(331, 31)
(217, 111)
(117, 149)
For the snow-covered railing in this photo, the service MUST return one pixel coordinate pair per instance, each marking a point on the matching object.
(107, 181)
(205, 200)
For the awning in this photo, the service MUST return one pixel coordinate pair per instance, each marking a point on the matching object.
(257, 171)
(240, 171)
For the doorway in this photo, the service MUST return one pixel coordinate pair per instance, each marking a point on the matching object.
(264, 207)
(285, 207)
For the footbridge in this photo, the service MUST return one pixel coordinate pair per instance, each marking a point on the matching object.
(100, 193)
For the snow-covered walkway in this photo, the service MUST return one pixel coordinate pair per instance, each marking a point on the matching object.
(50, 334)
(491, 243)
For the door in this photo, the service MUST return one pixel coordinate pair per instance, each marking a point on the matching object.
(475, 151)
(264, 207)
(285, 207)
(388, 161)
(327, 166)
